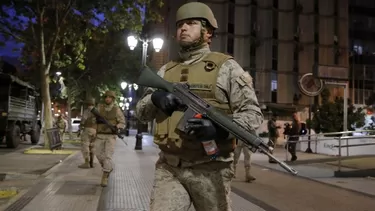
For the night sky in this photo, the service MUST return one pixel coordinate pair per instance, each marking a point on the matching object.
(8, 49)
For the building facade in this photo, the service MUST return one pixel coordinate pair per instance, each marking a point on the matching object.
(362, 45)
(277, 41)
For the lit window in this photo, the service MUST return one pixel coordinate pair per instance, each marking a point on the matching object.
(273, 85)
(358, 49)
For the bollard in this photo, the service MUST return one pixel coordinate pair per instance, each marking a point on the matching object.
(138, 142)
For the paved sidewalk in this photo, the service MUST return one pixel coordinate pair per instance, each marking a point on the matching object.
(63, 188)
(131, 181)
(68, 188)
(319, 172)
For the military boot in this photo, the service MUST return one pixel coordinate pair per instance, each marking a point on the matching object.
(85, 165)
(249, 178)
(104, 182)
(91, 160)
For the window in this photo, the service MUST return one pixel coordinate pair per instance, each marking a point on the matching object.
(316, 6)
(274, 64)
(296, 53)
(316, 54)
(274, 85)
(275, 34)
(275, 4)
(274, 51)
(316, 37)
(336, 56)
(275, 19)
(253, 50)
(253, 14)
(231, 28)
(76, 121)
(335, 8)
(231, 12)
(230, 45)
(358, 49)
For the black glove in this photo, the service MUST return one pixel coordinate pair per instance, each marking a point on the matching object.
(165, 101)
(204, 130)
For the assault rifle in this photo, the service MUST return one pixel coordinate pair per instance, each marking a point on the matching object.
(196, 105)
(101, 119)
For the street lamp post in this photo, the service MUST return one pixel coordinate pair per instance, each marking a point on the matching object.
(125, 102)
(157, 44)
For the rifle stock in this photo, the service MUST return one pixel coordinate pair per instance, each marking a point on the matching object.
(148, 78)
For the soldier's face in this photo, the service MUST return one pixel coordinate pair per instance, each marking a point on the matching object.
(108, 100)
(188, 32)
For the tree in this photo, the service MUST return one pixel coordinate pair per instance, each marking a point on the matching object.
(42, 25)
(328, 117)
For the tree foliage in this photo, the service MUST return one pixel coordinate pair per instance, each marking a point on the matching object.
(55, 32)
(329, 116)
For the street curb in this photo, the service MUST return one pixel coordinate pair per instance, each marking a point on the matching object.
(45, 174)
(312, 179)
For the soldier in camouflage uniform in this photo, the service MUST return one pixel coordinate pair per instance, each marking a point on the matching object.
(184, 173)
(105, 139)
(247, 160)
(87, 129)
(61, 125)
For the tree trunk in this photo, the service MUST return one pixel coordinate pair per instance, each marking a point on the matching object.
(69, 108)
(88, 92)
(46, 98)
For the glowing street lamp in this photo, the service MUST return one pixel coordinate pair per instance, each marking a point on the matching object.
(157, 43)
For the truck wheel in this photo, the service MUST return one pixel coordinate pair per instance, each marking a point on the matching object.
(35, 134)
(13, 137)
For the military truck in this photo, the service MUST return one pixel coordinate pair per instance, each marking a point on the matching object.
(18, 111)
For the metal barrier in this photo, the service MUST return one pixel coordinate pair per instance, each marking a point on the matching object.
(339, 146)
(54, 138)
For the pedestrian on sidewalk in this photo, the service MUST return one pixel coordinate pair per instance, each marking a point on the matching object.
(61, 125)
(105, 139)
(87, 131)
(293, 136)
(273, 134)
(186, 172)
(247, 160)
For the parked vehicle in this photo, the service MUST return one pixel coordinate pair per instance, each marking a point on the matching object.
(19, 111)
(75, 124)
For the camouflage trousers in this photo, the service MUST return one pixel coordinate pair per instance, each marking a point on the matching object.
(207, 186)
(247, 154)
(61, 133)
(104, 149)
(87, 141)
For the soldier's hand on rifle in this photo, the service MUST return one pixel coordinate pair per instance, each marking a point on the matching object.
(165, 101)
(204, 129)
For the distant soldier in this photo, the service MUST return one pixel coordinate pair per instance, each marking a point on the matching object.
(61, 125)
(105, 139)
(273, 134)
(88, 131)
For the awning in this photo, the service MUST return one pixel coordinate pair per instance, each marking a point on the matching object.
(16, 80)
(283, 109)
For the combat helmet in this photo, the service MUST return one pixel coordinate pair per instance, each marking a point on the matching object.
(90, 101)
(196, 10)
(110, 93)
